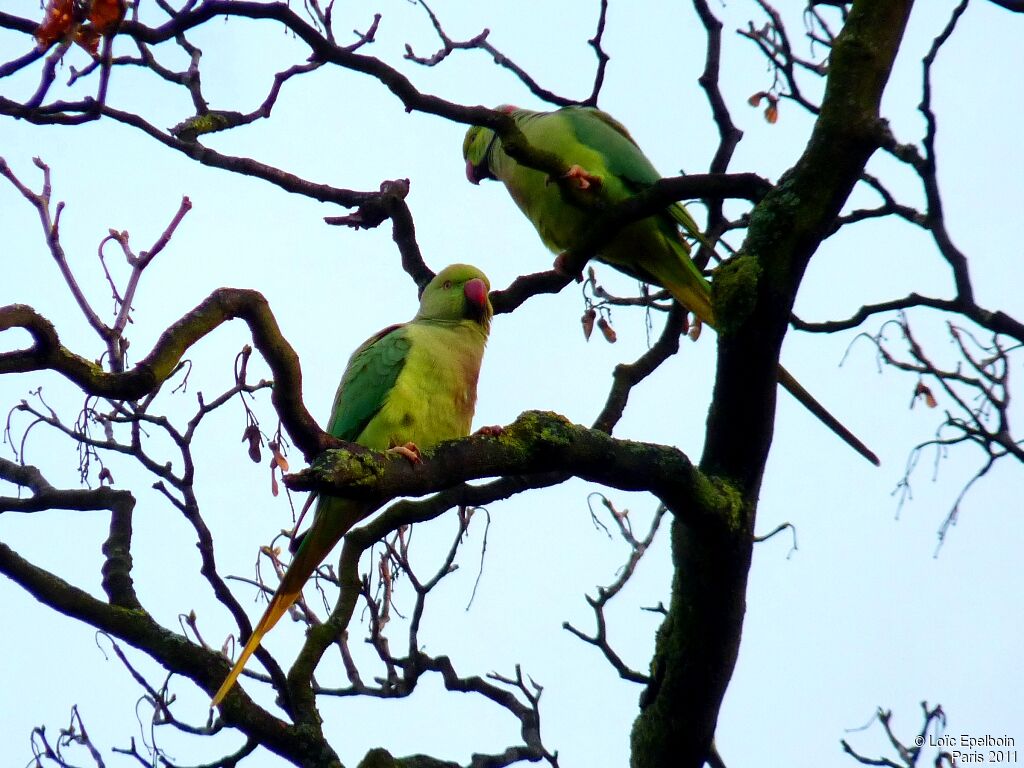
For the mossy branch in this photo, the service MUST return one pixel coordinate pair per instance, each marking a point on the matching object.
(536, 442)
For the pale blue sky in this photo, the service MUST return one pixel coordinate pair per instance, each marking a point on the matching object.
(862, 615)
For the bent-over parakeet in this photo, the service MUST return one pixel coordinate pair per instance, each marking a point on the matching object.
(411, 383)
(601, 153)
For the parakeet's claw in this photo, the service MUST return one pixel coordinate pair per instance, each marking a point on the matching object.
(409, 450)
(494, 431)
(562, 267)
(583, 179)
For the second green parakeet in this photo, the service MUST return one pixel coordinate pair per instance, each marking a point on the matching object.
(601, 154)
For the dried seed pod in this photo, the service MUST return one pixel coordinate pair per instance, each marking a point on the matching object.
(923, 391)
(588, 322)
(606, 329)
(278, 459)
(252, 436)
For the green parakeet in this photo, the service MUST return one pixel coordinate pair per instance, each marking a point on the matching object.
(413, 383)
(603, 155)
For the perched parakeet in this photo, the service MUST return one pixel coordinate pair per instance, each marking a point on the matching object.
(601, 154)
(409, 387)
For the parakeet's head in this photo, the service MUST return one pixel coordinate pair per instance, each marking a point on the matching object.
(475, 148)
(458, 292)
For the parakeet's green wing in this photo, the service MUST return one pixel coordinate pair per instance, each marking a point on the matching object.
(623, 157)
(606, 135)
(370, 376)
(625, 165)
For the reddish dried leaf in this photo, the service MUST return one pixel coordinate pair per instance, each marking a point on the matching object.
(56, 23)
(105, 15)
(104, 18)
(273, 482)
(59, 23)
(756, 98)
(106, 477)
(924, 392)
(771, 113)
(89, 38)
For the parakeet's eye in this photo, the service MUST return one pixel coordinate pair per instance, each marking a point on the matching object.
(447, 284)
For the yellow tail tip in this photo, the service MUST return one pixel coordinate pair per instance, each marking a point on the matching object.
(236, 670)
(278, 605)
(224, 689)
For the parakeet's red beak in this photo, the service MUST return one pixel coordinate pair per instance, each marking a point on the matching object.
(475, 173)
(476, 292)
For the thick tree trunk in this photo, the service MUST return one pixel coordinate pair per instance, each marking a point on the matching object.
(754, 293)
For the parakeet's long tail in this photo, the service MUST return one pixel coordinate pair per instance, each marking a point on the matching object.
(689, 288)
(329, 525)
(683, 280)
(807, 400)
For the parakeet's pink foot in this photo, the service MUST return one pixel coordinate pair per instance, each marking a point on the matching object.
(583, 179)
(495, 431)
(562, 267)
(409, 450)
